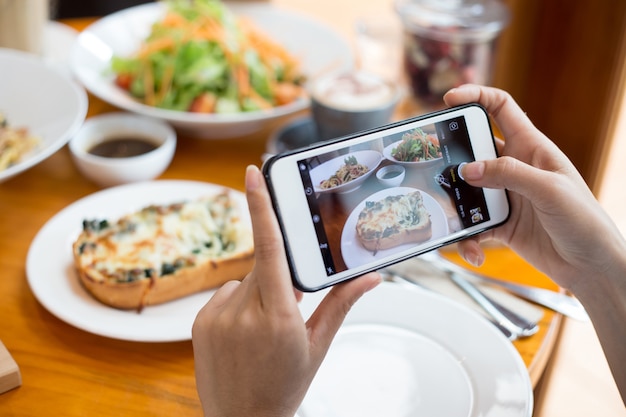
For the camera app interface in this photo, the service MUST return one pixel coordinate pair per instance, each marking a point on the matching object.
(391, 193)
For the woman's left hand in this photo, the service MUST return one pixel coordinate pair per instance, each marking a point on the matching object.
(254, 354)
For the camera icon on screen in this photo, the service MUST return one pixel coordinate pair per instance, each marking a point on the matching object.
(453, 125)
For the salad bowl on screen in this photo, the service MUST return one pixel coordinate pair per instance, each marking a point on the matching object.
(416, 148)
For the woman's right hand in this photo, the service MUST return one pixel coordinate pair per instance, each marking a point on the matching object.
(556, 223)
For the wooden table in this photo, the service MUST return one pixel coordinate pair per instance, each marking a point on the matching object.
(67, 371)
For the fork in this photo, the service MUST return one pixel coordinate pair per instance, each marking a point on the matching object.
(516, 324)
(394, 277)
(559, 302)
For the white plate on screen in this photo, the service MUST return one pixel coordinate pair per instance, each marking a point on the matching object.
(405, 352)
(354, 254)
(53, 279)
(371, 159)
(121, 33)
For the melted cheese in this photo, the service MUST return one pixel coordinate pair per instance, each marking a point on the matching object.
(160, 239)
(390, 214)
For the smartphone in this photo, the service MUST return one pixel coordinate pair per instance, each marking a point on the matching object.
(365, 201)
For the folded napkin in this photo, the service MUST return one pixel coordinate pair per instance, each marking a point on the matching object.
(10, 376)
(432, 278)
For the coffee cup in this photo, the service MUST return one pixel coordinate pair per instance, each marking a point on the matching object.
(343, 103)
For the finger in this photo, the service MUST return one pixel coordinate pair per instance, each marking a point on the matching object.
(223, 294)
(499, 145)
(270, 267)
(499, 104)
(298, 295)
(331, 312)
(514, 175)
(215, 304)
(470, 250)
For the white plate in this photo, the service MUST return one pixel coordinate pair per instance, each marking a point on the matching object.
(370, 159)
(405, 352)
(42, 99)
(121, 33)
(354, 254)
(53, 280)
(421, 164)
(58, 43)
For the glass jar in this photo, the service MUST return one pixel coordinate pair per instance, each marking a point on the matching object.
(448, 43)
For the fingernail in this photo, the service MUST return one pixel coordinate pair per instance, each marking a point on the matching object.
(252, 177)
(473, 170)
(375, 282)
(474, 259)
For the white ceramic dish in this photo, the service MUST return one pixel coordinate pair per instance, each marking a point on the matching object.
(405, 352)
(53, 280)
(40, 98)
(122, 32)
(421, 164)
(108, 172)
(58, 42)
(391, 175)
(354, 254)
(371, 159)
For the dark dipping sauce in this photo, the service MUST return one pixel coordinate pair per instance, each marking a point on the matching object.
(122, 147)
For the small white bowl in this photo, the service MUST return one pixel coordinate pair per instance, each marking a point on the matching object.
(391, 175)
(111, 171)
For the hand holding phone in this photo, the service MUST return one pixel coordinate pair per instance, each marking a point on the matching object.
(340, 221)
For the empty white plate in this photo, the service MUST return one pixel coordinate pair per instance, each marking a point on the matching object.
(403, 351)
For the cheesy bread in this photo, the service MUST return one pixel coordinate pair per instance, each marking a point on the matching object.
(164, 252)
(393, 221)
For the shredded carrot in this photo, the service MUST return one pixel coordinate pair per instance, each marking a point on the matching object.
(166, 82)
(148, 84)
(242, 79)
(259, 100)
(207, 28)
(173, 20)
(156, 45)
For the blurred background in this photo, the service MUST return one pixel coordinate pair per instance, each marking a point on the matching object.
(564, 62)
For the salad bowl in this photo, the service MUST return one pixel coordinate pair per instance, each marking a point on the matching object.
(121, 34)
(388, 154)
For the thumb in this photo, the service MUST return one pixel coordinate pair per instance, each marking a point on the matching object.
(511, 174)
(331, 312)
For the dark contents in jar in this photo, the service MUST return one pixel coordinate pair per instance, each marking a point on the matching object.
(122, 147)
(435, 66)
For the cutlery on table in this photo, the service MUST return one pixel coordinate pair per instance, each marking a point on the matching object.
(559, 302)
(394, 277)
(506, 318)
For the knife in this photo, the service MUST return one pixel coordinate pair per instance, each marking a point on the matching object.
(559, 302)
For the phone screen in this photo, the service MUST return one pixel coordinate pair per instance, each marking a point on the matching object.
(350, 213)
(359, 203)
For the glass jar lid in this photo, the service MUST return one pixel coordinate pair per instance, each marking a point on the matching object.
(454, 20)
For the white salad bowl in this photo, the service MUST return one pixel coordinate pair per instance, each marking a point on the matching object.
(121, 34)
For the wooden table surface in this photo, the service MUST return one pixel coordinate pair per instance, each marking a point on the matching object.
(70, 372)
